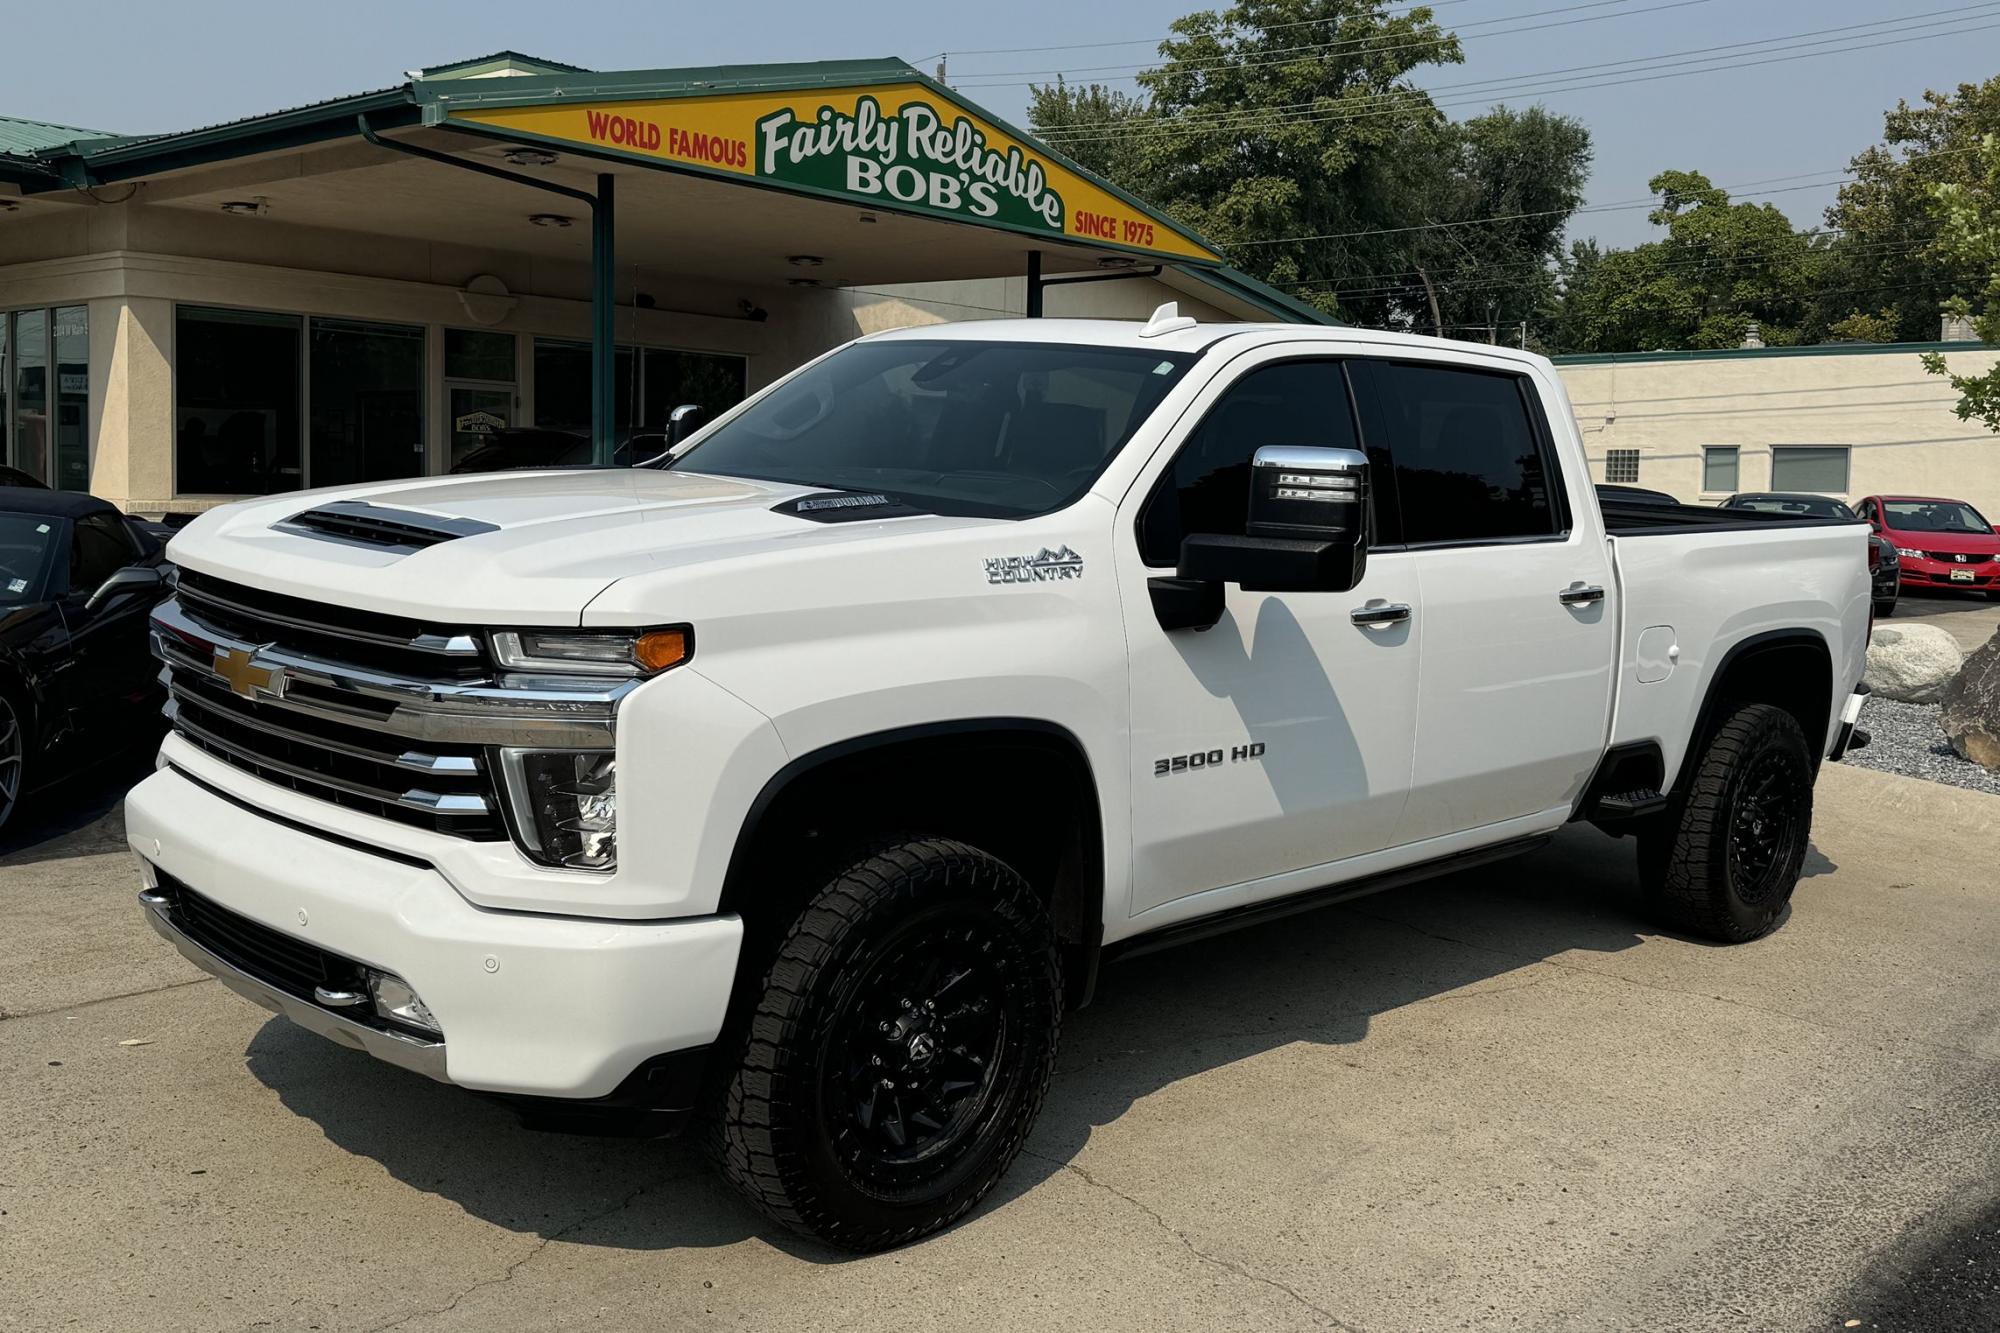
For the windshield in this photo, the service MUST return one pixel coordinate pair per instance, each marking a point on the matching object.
(1934, 516)
(1811, 506)
(1006, 430)
(27, 541)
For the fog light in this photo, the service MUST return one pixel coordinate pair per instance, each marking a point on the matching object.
(395, 1001)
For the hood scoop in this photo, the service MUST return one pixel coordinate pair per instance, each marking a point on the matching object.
(379, 528)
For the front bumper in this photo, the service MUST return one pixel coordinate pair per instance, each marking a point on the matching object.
(530, 1005)
(1918, 572)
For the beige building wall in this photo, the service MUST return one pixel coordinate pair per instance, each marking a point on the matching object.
(1895, 421)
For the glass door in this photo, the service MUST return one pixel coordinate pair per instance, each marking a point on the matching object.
(478, 412)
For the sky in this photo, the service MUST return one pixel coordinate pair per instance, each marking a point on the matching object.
(1784, 127)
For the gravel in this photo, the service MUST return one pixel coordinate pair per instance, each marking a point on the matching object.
(1906, 740)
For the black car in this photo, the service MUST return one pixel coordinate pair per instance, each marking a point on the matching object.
(77, 583)
(1885, 567)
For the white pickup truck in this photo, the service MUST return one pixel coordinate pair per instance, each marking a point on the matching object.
(803, 782)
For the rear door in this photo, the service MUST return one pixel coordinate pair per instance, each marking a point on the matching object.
(1280, 739)
(1519, 635)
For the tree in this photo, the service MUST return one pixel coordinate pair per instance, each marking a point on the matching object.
(1096, 127)
(1969, 236)
(1721, 267)
(1889, 259)
(1494, 194)
(1289, 132)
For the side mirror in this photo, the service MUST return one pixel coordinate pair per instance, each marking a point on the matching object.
(682, 422)
(1307, 528)
(132, 578)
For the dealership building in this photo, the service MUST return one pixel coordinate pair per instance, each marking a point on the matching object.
(367, 288)
(370, 287)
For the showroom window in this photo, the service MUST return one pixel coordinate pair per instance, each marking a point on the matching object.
(1821, 469)
(665, 380)
(266, 402)
(366, 388)
(44, 416)
(1719, 469)
(1621, 466)
(237, 392)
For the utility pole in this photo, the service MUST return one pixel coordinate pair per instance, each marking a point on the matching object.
(1437, 320)
(1524, 335)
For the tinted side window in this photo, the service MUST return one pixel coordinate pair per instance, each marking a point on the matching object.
(98, 548)
(1207, 488)
(1470, 465)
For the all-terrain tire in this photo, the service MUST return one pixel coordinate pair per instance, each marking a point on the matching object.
(1725, 856)
(932, 965)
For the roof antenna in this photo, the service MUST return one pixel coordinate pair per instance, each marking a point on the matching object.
(1167, 319)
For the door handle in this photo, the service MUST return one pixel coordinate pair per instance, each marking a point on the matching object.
(1395, 613)
(1580, 594)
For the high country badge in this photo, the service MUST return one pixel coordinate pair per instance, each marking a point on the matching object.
(1061, 563)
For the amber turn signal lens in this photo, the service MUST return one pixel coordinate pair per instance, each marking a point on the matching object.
(662, 648)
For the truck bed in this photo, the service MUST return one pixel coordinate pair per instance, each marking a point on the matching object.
(1629, 519)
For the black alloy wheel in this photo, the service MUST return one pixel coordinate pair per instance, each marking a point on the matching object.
(13, 758)
(899, 1051)
(1765, 830)
(916, 1054)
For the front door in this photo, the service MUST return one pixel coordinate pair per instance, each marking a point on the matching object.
(1518, 641)
(1279, 740)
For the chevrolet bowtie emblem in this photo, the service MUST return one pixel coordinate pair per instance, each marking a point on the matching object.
(245, 677)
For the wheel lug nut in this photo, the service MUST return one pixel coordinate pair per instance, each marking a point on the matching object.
(875, 1060)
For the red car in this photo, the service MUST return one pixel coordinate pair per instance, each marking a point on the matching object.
(1943, 543)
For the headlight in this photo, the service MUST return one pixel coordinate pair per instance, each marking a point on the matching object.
(565, 806)
(1909, 554)
(593, 652)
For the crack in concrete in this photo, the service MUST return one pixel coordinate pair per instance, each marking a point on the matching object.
(507, 1274)
(1214, 1260)
(6, 1015)
(1831, 1029)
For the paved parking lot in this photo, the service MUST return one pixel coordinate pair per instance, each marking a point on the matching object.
(1970, 618)
(1501, 1100)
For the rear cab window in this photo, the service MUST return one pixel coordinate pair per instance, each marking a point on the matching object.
(1470, 448)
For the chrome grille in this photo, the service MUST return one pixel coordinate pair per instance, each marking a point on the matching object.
(341, 634)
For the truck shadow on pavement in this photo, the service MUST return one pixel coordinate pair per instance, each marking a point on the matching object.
(1319, 977)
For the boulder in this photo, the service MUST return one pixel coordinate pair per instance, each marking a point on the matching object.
(1912, 663)
(1970, 712)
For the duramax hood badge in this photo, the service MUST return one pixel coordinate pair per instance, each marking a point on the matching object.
(1061, 563)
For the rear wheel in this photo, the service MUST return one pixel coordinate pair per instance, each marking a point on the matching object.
(900, 1050)
(1723, 860)
(13, 757)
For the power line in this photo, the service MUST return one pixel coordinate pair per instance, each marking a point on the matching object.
(1491, 87)
(1275, 27)
(1367, 45)
(1400, 100)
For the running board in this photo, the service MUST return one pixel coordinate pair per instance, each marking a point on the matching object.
(1256, 914)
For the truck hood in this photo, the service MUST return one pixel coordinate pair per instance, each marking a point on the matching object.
(539, 545)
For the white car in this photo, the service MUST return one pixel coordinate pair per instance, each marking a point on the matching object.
(807, 781)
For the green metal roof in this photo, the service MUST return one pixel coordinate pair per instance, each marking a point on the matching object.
(21, 137)
(1746, 353)
(499, 63)
(1260, 294)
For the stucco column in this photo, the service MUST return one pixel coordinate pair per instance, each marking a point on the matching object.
(132, 433)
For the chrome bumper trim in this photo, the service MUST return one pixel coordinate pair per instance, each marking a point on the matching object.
(1850, 713)
(412, 1053)
(547, 711)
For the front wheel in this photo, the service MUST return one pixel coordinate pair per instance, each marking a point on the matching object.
(13, 757)
(900, 1051)
(1885, 609)
(1724, 858)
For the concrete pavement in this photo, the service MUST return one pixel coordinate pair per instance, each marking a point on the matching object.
(1502, 1100)
(1970, 618)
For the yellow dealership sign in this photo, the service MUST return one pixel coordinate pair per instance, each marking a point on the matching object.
(902, 145)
